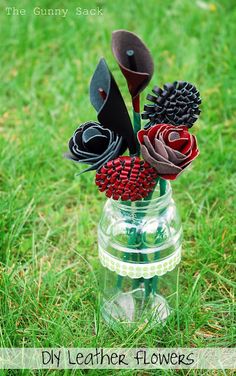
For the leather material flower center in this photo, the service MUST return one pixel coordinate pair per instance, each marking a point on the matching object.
(94, 140)
(126, 178)
(94, 145)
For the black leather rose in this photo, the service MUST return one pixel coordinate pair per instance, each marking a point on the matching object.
(94, 145)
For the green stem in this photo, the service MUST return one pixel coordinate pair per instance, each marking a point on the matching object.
(162, 187)
(156, 256)
(147, 285)
(135, 258)
(137, 127)
(144, 257)
(126, 255)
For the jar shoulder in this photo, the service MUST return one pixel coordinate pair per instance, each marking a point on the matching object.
(153, 226)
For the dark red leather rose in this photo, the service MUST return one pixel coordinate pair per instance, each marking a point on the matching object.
(168, 149)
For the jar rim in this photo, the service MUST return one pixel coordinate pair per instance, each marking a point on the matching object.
(140, 205)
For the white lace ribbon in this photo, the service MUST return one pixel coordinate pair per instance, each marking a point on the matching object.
(137, 270)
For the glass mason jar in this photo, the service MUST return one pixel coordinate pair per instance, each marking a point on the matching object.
(140, 250)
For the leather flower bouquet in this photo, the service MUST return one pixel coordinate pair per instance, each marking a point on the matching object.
(131, 165)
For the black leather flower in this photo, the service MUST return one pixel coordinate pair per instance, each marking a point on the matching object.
(176, 104)
(139, 73)
(110, 106)
(94, 145)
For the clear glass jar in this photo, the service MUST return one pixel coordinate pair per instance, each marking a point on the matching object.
(140, 250)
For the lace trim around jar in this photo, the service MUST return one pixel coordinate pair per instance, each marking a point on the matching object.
(135, 270)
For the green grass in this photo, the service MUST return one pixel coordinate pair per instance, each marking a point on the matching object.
(49, 263)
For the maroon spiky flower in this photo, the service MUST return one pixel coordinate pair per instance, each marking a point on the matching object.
(126, 178)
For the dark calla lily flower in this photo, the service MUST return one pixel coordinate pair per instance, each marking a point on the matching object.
(107, 100)
(134, 59)
(95, 145)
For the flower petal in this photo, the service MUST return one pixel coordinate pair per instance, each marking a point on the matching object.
(160, 148)
(94, 141)
(154, 131)
(113, 154)
(152, 151)
(175, 156)
(160, 167)
(112, 111)
(138, 78)
(174, 136)
(141, 134)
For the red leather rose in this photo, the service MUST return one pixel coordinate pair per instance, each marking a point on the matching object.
(168, 149)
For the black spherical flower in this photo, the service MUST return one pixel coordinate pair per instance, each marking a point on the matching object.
(94, 145)
(176, 104)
